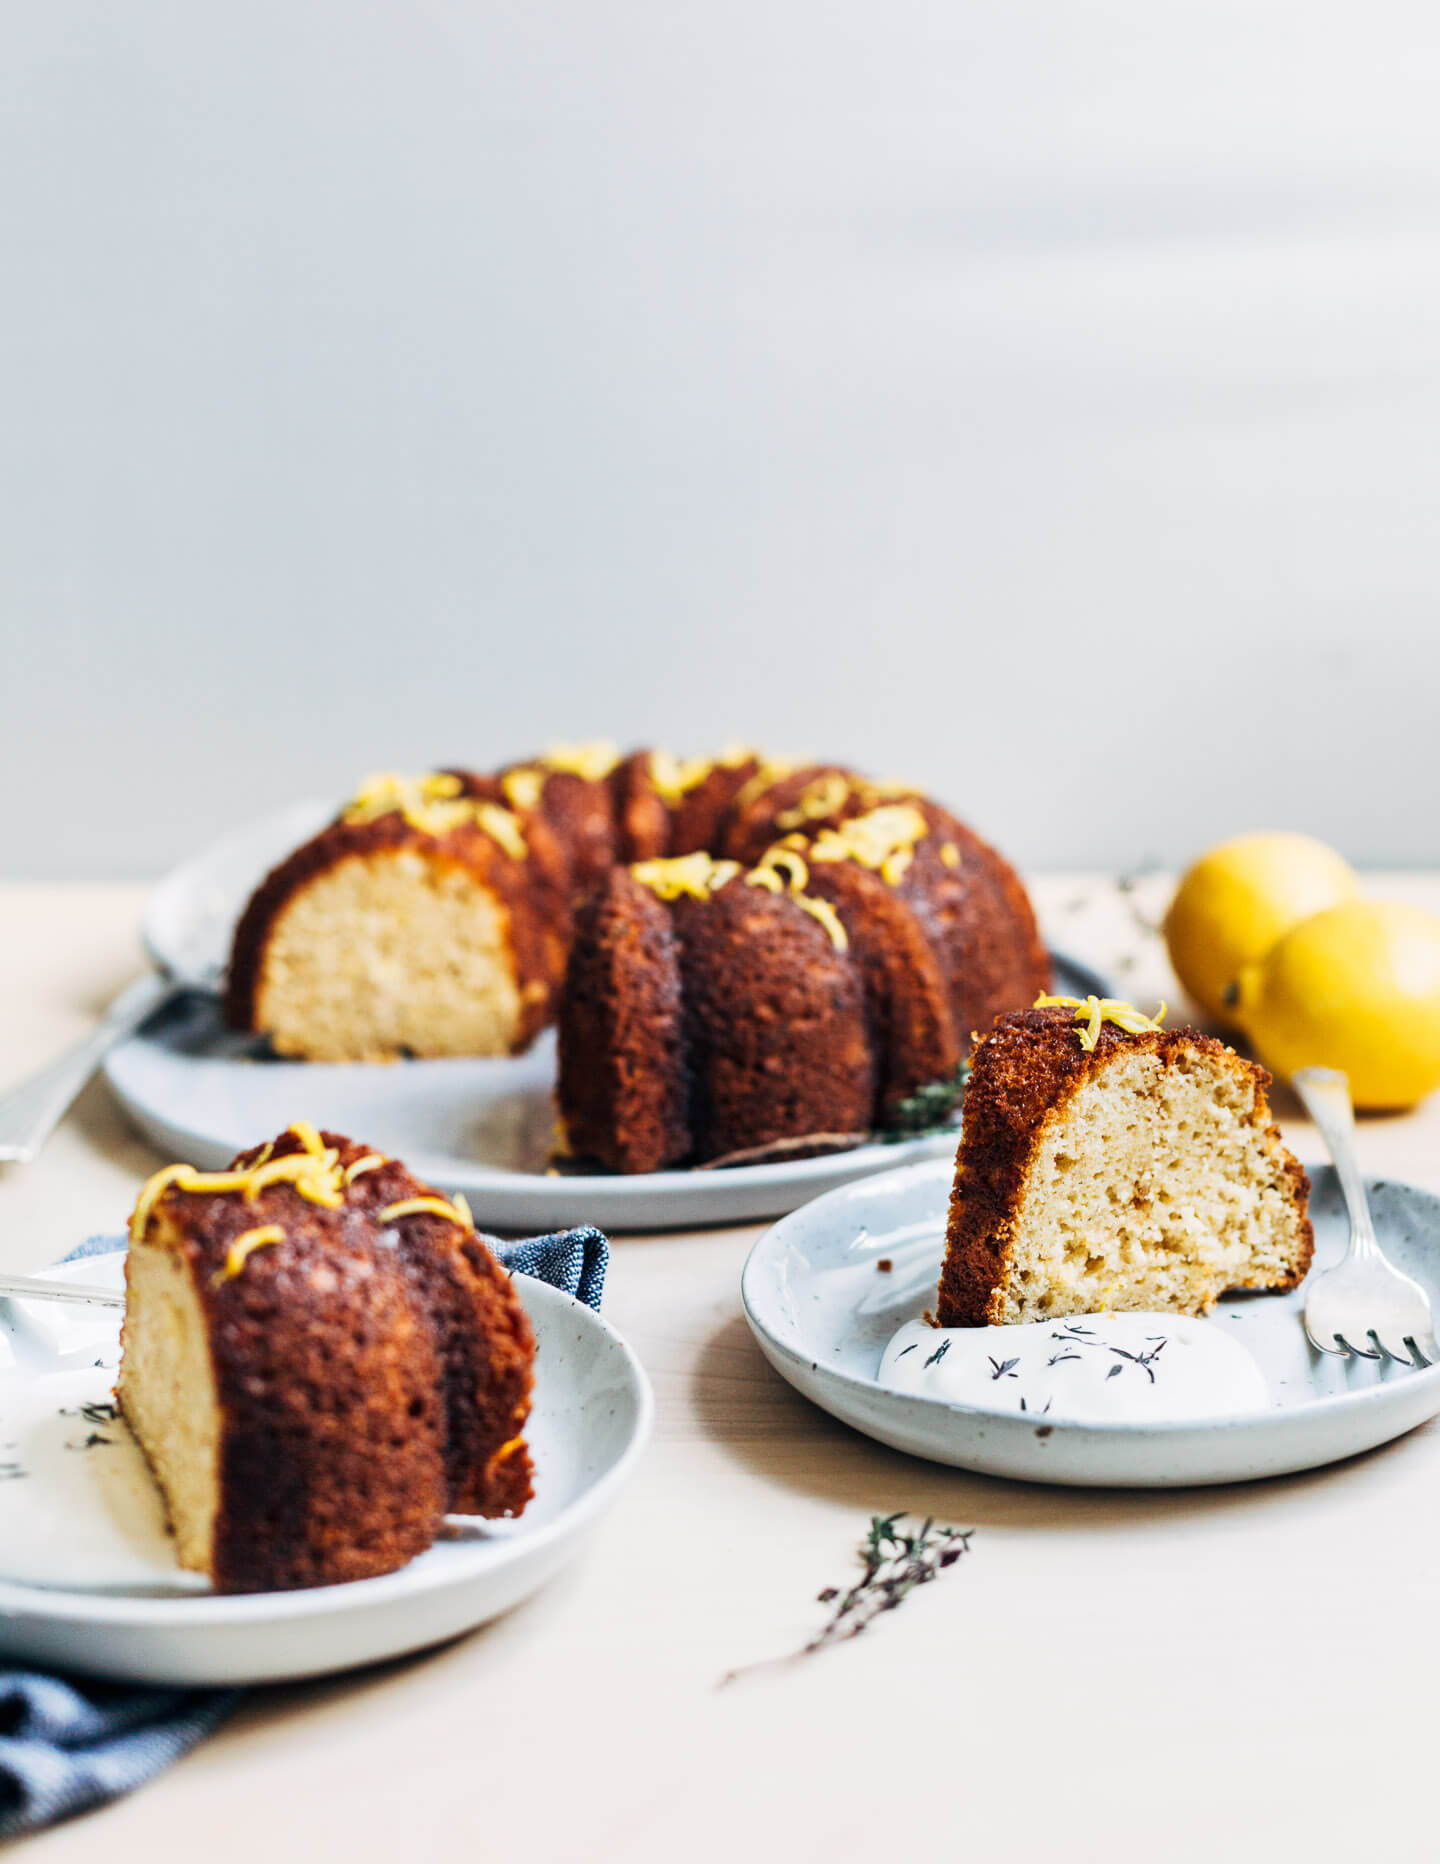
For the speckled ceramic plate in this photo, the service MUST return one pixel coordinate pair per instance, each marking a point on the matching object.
(822, 1314)
(88, 1578)
(201, 1093)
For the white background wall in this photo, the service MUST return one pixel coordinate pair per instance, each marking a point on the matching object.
(1039, 400)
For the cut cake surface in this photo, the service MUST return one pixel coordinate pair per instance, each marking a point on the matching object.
(1145, 1173)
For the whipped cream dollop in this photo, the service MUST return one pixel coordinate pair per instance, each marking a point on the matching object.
(1098, 1368)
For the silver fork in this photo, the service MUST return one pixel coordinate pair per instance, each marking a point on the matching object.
(1365, 1297)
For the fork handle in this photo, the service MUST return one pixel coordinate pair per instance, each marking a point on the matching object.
(36, 1288)
(1326, 1094)
(32, 1109)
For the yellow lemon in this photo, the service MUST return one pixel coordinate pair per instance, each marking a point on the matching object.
(1355, 987)
(1238, 899)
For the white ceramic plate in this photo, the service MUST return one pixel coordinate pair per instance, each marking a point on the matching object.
(88, 1578)
(201, 1093)
(822, 1314)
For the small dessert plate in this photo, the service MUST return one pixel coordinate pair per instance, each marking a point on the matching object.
(88, 1578)
(823, 1311)
(200, 1092)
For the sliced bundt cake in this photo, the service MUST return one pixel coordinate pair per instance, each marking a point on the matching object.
(714, 1013)
(321, 1359)
(1106, 1162)
(435, 915)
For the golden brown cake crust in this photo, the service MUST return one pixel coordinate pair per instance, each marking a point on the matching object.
(578, 811)
(623, 1086)
(777, 1040)
(642, 817)
(913, 1031)
(1023, 1074)
(981, 920)
(531, 891)
(366, 1387)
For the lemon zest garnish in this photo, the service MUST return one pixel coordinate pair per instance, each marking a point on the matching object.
(501, 826)
(779, 861)
(462, 1205)
(771, 771)
(1092, 1011)
(822, 796)
(694, 876)
(507, 1450)
(672, 780)
(372, 1161)
(153, 1189)
(826, 914)
(893, 867)
(523, 787)
(949, 854)
(244, 1246)
(434, 805)
(433, 1206)
(314, 1172)
(874, 839)
(593, 762)
(782, 870)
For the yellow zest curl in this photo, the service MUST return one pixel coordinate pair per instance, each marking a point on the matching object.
(432, 1206)
(882, 840)
(1092, 1011)
(523, 787)
(372, 1161)
(949, 854)
(692, 876)
(244, 1247)
(828, 917)
(775, 864)
(822, 796)
(672, 781)
(782, 870)
(592, 762)
(314, 1172)
(770, 773)
(434, 806)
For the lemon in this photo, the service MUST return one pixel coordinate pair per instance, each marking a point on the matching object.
(1355, 987)
(1238, 899)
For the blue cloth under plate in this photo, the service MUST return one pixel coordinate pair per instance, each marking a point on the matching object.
(68, 1743)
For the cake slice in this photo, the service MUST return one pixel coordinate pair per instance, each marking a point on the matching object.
(321, 1359)
(1106, 1162)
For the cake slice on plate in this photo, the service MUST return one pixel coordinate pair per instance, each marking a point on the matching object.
(321, 1359)
(1106, 1162)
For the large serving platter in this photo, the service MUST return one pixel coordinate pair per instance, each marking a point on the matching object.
(822, 1315)
(88, 1579)
(485, 1128)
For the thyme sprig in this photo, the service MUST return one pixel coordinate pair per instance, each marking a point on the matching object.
(892, 1564)
(930, 1109)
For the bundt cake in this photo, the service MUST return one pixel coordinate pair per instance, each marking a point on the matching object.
(1106, 1162)
(321, 1359)
(715, 1004)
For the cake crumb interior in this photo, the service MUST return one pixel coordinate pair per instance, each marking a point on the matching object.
(1150, 1188)
(388, 955)
(167, 1393)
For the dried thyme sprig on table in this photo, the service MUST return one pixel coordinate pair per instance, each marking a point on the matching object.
(893, 1563)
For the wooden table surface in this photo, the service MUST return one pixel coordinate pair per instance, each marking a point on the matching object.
(1239, 1671)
